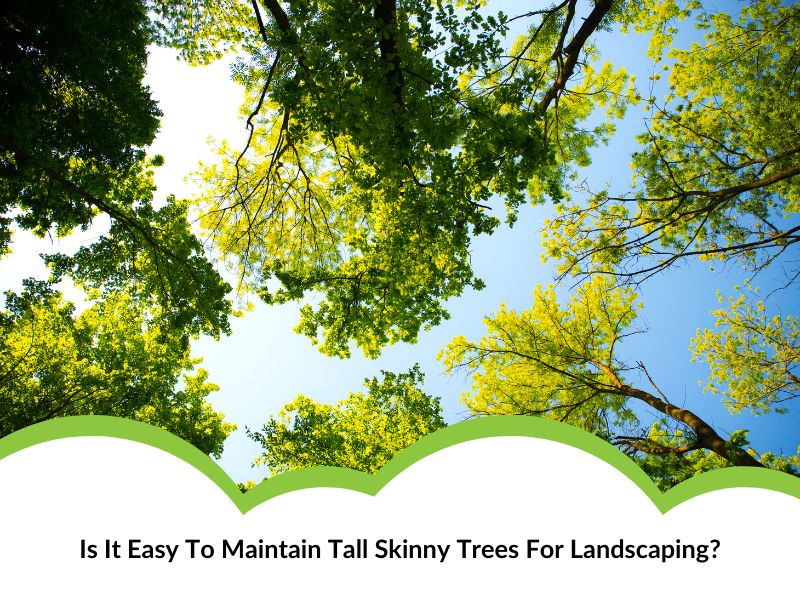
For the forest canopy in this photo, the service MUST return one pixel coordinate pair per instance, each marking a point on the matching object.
(382, 139)
(76, 123)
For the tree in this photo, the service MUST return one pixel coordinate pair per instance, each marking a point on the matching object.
(380, 134)
(201, 30)
(159, 261)
(362, 432)
(112, 359)
(74, 111)
(668, 469)
(717, 173)
(75, 120)
(715, 178)
(753, 358)
(74, 124)
(563, 363)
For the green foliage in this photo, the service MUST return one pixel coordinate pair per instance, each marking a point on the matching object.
(716, 177)
(202, 31)
(562, 363)
(114, 358)
(783, 463)
(74, 121)
(669, 464)
(717, 172)
(153, 256)
(753, 357)
(246, 486)
(186, 413)
(661, 459)
(550, 360)
(72, 104)
(659, 19)
(381, 135)
(362, 432)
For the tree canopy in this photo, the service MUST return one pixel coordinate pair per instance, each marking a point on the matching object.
(716, 173)
(74, 111)
(715, 178)
(111, 359)
(76, 120)
(75, 123)
(362, 432)
(563, 363)
(752, 355)
(380, 137)
(383, 136)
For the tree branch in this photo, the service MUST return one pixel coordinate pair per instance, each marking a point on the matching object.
(386, 15)
(572, 51)
(277, 12)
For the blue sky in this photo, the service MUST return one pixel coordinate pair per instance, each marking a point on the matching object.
(264, 364)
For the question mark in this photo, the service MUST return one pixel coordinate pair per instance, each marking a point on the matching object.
(716, 547)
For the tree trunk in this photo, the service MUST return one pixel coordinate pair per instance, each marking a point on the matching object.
(706, 436)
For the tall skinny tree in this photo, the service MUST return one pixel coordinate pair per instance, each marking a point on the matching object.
(563, 363)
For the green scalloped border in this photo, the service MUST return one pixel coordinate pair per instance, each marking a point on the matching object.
(335, 477)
